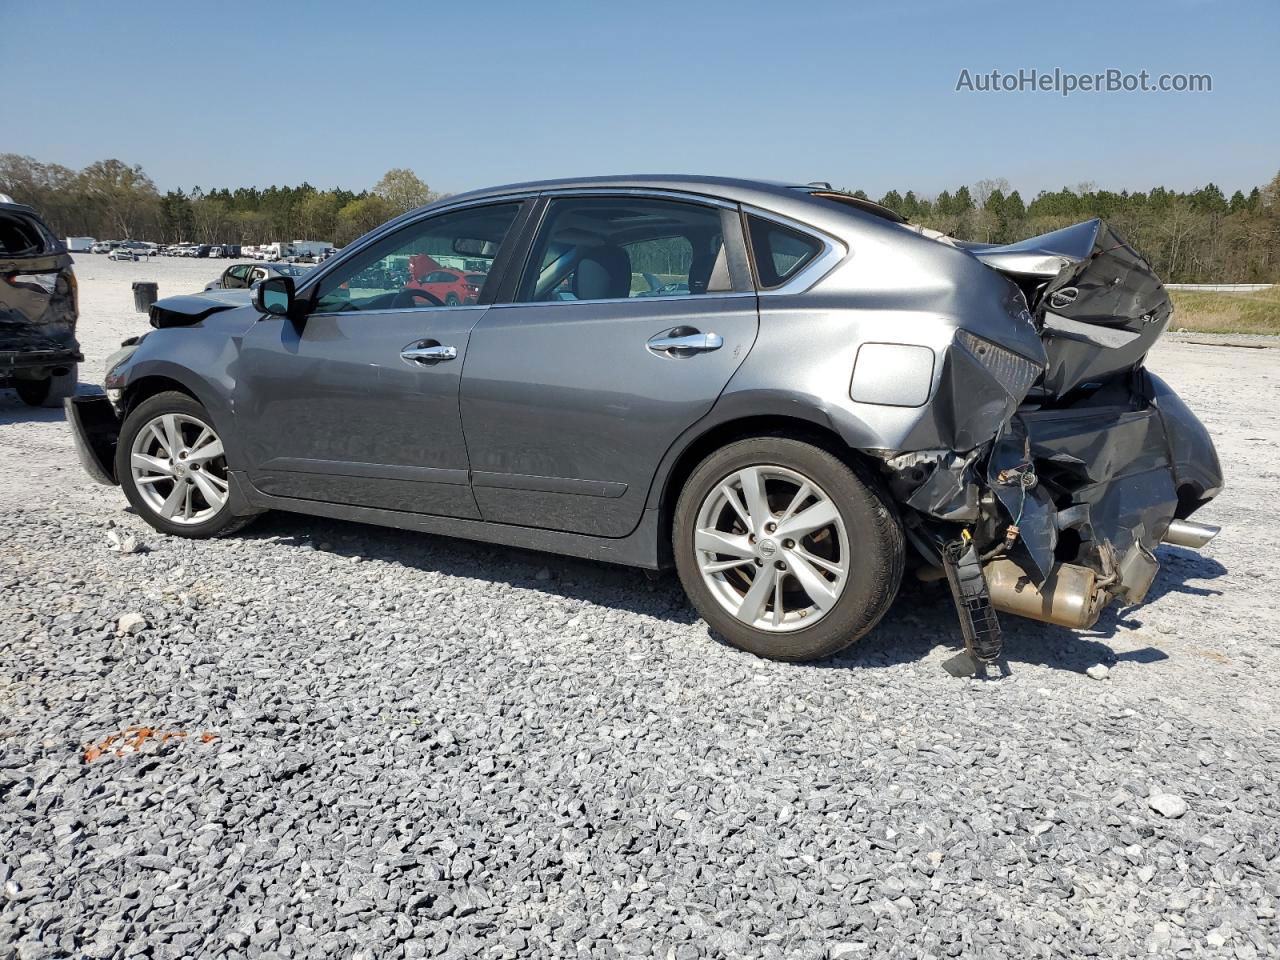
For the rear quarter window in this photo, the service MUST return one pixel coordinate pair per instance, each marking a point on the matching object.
(23, 236)
(779, 252)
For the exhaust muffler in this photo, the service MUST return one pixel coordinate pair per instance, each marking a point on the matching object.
(1070, 597)
(1188, 533)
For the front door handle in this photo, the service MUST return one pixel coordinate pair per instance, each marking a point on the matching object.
(684, 342)
(428, 352)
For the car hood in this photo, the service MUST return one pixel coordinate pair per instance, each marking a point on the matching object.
(188, 309)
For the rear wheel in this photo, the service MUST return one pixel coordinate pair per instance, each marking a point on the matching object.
(172, 466)
(785, 550)
(49, 391)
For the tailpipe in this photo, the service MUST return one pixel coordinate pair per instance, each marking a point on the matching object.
(1188, 533)
(1071, 596)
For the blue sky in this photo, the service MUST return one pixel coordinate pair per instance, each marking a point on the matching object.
(860, 94)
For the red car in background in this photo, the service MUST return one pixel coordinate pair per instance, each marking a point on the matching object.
(450, 286)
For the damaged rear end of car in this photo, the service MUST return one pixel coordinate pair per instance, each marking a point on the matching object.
(39, 353)
(1058, 513)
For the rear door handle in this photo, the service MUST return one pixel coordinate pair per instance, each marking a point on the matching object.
(683, 342)
(428, 352)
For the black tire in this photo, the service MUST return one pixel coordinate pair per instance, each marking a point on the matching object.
(51, 390)
(451, 300)
(222, 523)
(872, 526)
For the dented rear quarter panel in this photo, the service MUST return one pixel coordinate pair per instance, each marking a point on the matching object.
(892, 287)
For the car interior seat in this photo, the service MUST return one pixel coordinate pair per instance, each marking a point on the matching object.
(603, 273)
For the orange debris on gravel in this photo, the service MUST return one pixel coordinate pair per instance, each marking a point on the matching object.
(134, 738)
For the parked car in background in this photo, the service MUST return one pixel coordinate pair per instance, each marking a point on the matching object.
(138, 248)
(241, 276)
(103, 246)
(674, 289)
(123, 253)
(447, 284)
(786, 441)
(39, 353)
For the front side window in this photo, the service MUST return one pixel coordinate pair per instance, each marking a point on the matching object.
(395, 273)
(618, 248)
(779, 252)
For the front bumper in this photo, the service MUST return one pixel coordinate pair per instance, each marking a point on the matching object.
(95, 429)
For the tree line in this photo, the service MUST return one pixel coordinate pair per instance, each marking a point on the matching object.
(113, 200)
(1199, 236)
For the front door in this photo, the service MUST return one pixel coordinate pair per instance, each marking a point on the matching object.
(631, 316)
(358, 404)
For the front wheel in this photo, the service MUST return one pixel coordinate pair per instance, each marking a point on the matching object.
(172, 466)
(784, 550)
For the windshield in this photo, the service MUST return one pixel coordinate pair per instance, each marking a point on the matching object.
(289, 270)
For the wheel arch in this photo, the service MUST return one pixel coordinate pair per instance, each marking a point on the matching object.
(701, 445)
(144, 388)
(156, 377)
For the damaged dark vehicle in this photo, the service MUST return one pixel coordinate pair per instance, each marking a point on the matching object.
(789, 394)
(39, 353)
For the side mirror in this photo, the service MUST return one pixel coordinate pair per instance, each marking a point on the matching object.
(274, 295)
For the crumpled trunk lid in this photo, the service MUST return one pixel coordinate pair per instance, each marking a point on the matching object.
(1096, 301)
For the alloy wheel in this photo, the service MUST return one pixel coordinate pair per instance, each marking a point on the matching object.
(772, 548)
(179, 468)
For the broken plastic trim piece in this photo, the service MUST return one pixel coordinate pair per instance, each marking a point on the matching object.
(983, 641)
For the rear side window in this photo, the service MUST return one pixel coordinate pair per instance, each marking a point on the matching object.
(22, 236)
(780, 252)
(626, 247)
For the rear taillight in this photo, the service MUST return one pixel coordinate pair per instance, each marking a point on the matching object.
(38, 282)
(1015, 373)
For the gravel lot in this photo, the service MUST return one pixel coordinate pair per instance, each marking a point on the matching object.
(391, 745)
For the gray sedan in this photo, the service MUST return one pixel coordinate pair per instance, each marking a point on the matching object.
(788, 394)
(242, 276)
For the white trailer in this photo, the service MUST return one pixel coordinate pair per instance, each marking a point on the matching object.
(80, 244)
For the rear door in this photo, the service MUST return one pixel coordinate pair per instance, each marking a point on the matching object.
(573, 392)
(359, 403)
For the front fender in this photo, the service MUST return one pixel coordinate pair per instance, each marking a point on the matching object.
(201, 360)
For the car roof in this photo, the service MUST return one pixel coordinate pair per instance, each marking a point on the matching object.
(807, 202)
(730, 188)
